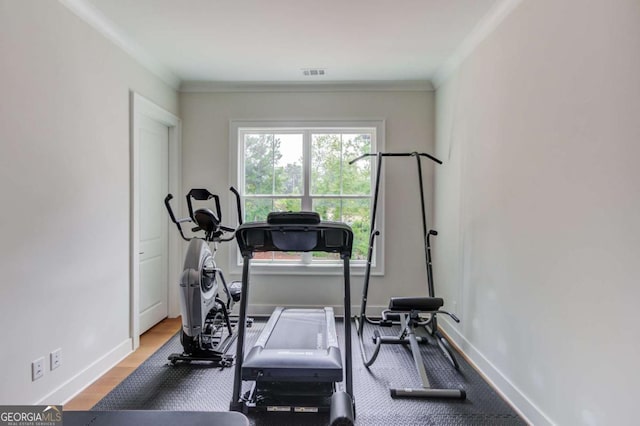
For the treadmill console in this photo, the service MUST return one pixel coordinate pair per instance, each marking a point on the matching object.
(300, 218)
(295, 231)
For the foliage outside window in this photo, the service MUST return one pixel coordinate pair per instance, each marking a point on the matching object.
(292, 169)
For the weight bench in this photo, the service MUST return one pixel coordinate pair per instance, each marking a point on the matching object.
(407, 310)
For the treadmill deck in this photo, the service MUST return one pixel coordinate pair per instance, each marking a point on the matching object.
(297, 345)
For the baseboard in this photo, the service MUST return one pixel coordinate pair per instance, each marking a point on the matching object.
(72, 387)
(529, 411)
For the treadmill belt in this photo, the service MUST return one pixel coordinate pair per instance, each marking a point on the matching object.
(299, 329)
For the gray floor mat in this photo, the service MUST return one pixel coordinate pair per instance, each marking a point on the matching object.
(157, 385)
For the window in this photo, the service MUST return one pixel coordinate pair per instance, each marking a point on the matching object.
(306, 167)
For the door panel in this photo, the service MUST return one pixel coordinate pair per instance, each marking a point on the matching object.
(154, 186)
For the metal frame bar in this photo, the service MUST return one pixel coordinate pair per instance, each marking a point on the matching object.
(374, 233)
(236, 404)
(426, 391)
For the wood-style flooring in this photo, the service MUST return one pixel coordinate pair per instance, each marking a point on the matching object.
(150, 342)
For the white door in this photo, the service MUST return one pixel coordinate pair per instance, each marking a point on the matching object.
(154, 186)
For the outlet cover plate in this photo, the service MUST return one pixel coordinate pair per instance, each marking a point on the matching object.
(37, 369)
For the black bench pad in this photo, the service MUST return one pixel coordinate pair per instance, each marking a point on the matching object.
(423, 304)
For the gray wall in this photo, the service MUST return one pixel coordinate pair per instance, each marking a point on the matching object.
(409, 127)
(538, 208)
(64, 176)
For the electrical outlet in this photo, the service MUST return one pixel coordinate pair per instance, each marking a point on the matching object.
(56, 358)
(37, 369)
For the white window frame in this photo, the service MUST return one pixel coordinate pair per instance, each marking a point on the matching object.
(236, 176)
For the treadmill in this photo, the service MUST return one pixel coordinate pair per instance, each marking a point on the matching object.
(296, 361)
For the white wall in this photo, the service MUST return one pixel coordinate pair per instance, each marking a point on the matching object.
(538, 208)
(409, 127)
(64, 176)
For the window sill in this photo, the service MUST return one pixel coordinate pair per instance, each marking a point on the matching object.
(257, 268)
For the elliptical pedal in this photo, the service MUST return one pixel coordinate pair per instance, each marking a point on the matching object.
(216, 360)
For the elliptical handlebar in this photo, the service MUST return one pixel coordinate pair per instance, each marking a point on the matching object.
(238, 203)
(167, 204)
(198, 194)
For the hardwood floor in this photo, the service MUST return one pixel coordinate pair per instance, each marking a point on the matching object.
(150, 341)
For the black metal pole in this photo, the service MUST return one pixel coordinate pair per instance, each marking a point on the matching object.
(236, 405)
(433, 326)
(424, 228)
(347, 328)
(238, 203)
(429, 261)
(431, 157)
(372, 234)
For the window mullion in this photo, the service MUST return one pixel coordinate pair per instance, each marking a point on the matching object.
(273, 165)
(241, 167)
(341, 175)
(306, 170)
(273, 179)
(306, 193)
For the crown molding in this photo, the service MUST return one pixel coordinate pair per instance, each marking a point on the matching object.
(299, 86)
(96, 19)
(489, 22)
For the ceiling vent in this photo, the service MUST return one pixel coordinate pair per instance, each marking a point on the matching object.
(313, 72)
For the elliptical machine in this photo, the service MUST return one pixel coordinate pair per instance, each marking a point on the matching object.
(207, 327)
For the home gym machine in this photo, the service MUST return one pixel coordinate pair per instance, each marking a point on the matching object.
(406, 311)
(296, 362)
(207, 327)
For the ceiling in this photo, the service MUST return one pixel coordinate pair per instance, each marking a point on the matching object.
(273, 41)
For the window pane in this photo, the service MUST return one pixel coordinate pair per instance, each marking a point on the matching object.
(287, 205)
(287, 255)
(355, 212)
(257, 209)
(356, 178)
(328, 209)
(320, 255)
(263, 255)
(258, 164)
(325, 164)
(288, 164)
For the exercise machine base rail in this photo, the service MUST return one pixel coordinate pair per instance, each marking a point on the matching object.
(426, 391)
(407, 312)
